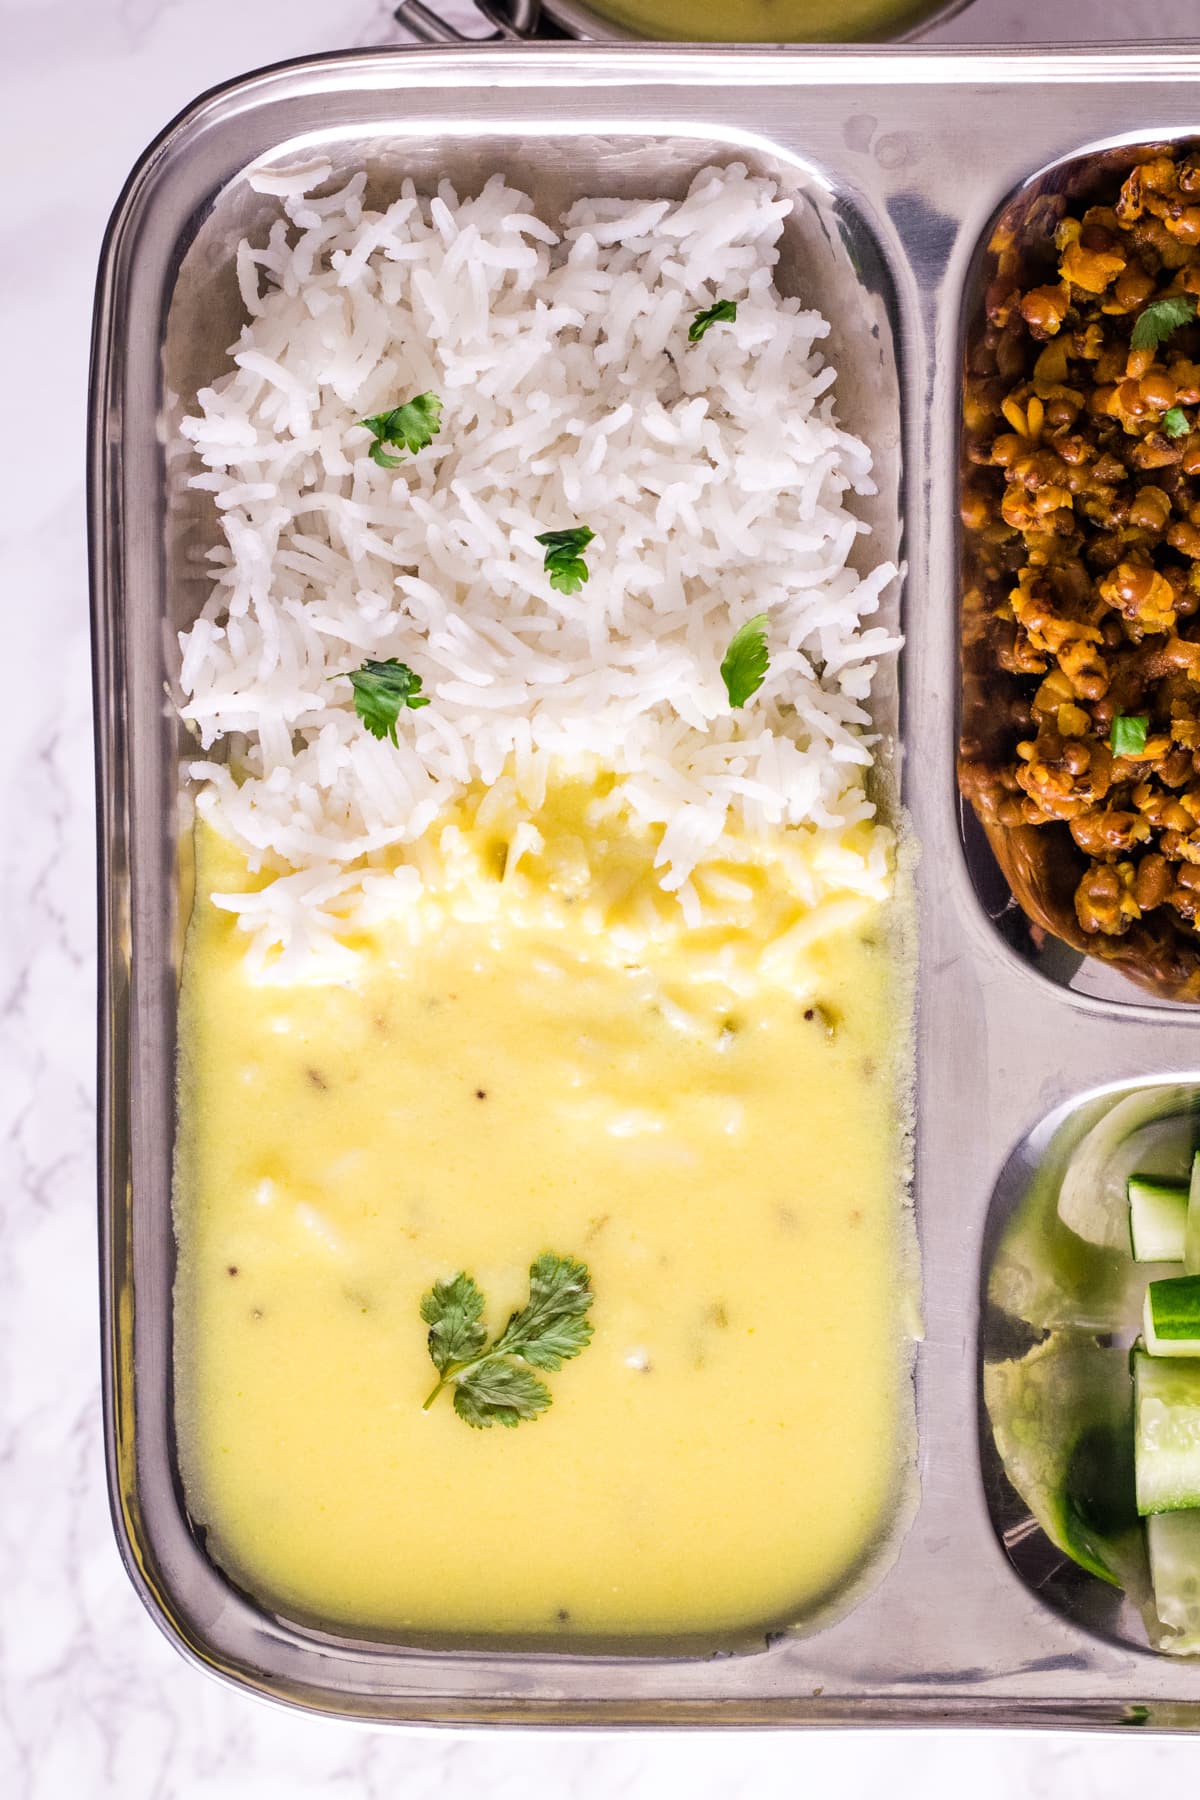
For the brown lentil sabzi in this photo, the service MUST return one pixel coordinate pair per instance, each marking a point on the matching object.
(1081, 515)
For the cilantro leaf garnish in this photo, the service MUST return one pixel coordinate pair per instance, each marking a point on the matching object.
(452, 1309)
(1158, 320)
(746, 661)
(1128, 734)
(552, 1326)
(1175, 422)
(381, 692)
(564, 557)
(411, 426)
(723, 313)
(494, 1383)
(499, 1393)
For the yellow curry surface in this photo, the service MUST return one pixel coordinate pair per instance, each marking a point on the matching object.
(720, 1146)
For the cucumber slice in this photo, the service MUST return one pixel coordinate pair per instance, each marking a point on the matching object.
(1191, 1238)
(1148, 1132)
(1062, 1421)
(1158, 1216)
(1174, 1543)
(1172, 1316)
(1166, 1446)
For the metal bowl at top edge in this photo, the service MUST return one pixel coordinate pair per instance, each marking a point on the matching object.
(526, 19)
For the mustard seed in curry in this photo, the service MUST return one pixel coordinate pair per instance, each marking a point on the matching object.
(1081, 511)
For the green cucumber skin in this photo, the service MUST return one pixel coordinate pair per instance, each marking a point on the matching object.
(1165, 1347)
(1166, 1433)
(1158, 1218)
(1172, 1316)
(1191, 1236)
(1154, 1187)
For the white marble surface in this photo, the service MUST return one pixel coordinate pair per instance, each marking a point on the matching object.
(92, 1701)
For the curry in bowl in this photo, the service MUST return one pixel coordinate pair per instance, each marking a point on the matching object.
(1080, 746)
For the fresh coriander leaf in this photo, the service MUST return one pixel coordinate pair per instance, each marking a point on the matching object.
(564, 557)
(381, 692)
(746, 661)
(723, 313)
(500, 1393)
(452, 1310)
(552, 1326)
(1157, 321)
(1175, 422)
(411, 426)
(1128, 734)
(494, 1383)
(379, 455)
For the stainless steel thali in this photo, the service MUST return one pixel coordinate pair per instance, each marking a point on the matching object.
(905, 156)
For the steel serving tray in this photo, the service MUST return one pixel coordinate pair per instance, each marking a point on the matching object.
(905, 156)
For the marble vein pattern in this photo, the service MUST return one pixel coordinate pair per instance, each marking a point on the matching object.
(93, 1702)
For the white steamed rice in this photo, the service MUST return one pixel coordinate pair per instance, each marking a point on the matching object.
(713, 474)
